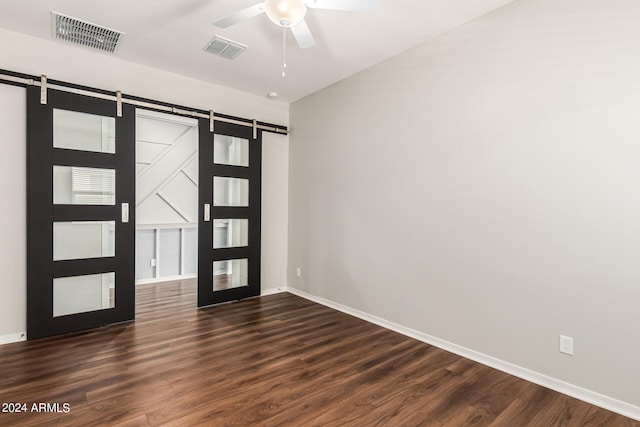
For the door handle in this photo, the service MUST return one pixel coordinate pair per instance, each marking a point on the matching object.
(207, 212)
(125, 212)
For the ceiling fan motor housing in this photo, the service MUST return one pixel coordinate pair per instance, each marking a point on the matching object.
(285, 13)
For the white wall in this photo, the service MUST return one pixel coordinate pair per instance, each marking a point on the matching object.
(483, 188)
(13, 215)
(166, 196)
(61, 62)
(166, 169)
(275, 204)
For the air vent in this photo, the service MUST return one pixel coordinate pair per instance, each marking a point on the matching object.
(84, 33)
(225, 47)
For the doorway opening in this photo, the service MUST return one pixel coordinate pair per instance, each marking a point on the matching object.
(166, 198)
(166, 209)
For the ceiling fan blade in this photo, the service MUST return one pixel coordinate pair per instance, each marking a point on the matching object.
(303, 35)
(240, 16)
(354, 5)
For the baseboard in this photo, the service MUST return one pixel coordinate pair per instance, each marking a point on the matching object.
(165, 279)
(8, 339)
(272, 291)
(614, 405)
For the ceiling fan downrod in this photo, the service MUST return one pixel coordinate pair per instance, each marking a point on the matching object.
(284, 51)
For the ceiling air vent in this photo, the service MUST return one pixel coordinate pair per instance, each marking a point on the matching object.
(225, 47)
(84, 33)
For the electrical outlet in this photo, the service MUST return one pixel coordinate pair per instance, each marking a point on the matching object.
(153, 262)
(298, 272)
(566, 345)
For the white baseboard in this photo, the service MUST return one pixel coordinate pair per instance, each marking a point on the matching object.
(272, 291)
(7, 339)
(165, 279)
(611, 404)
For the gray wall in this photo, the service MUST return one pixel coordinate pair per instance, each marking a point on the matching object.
(484, 188)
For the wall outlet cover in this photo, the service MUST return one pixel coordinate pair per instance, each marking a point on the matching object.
(566, 345)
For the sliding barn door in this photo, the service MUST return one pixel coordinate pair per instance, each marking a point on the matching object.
(81, 225)
(229, 228)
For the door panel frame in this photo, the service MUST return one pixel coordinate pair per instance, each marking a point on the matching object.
(206, 254)
(41, 213)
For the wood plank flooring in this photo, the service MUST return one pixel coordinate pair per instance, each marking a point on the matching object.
(272, 361)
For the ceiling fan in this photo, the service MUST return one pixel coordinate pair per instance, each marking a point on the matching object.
(291, 13)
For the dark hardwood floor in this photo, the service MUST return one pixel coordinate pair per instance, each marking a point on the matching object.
(275, 361)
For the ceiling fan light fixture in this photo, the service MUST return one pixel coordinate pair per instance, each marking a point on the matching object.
(285, 13)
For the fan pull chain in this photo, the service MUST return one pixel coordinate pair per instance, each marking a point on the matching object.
(284, 51)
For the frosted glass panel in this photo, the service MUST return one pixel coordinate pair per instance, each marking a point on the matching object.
(83, 186)
(230, 273)
(230, 191)
(83, 239)
(230, 233)
(82, 131)
(80, 294)
(229, 150)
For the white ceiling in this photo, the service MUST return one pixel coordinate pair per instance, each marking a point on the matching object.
(171, 35)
